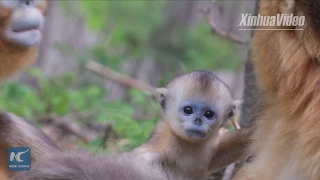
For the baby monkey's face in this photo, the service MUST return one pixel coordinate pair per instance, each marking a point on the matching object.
(196, 105)
(197, 118)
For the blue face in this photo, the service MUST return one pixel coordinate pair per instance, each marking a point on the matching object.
(197, 118)
(25, 22)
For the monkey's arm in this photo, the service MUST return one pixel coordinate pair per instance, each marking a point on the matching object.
(231, 148)
(17, 132)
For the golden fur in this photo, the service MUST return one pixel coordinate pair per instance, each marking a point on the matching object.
(180, 159)
(287, 138)
(14, 57)
(231, 148)
(193, 160)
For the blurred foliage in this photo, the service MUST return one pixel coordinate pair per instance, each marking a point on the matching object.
(64, 95)
(136, 29)
(128, 30)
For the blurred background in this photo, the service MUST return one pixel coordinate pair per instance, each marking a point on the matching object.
(92, 85)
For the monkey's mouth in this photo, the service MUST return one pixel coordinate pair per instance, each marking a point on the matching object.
(25, 30)
(195, 133)
(25, 27)
(24, 35)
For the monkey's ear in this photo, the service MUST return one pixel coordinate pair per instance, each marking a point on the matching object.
(287, 7)
(237, 104)
(162, 94)
(235, 108)
(162, 91)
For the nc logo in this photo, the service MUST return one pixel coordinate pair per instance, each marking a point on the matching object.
(19, 158)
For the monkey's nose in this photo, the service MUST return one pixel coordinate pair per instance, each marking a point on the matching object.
(197, 122)
(27, 2)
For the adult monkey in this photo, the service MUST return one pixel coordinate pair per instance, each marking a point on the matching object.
(20, 24)
(286, 142)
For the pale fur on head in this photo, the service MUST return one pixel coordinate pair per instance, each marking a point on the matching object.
(197, 85)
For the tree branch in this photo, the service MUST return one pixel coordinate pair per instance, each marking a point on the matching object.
(71, 127)
(206, 11)
(120, 78)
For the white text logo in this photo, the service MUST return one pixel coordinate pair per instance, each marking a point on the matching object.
(248, 20)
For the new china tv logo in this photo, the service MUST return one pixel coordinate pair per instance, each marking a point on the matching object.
(19, 159)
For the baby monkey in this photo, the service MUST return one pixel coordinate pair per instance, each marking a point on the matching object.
(185, 145)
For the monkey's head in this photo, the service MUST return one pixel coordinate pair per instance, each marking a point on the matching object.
(196, 105)
(21, 21)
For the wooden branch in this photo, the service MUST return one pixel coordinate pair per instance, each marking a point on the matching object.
(120, 78)
(206, 11)
(71, 127)
(106, 135)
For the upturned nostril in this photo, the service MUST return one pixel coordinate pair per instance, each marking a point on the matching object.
(197, 121)
(27, 2)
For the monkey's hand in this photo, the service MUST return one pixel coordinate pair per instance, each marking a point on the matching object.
(231, 148)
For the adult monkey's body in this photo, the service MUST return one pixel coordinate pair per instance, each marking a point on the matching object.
(286, 142)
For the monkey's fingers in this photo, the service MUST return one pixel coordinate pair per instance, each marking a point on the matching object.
(231, 148)
(235, 123)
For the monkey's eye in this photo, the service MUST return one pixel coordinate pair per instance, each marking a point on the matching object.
(188, 110)
(209, 114)
(9, 3)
